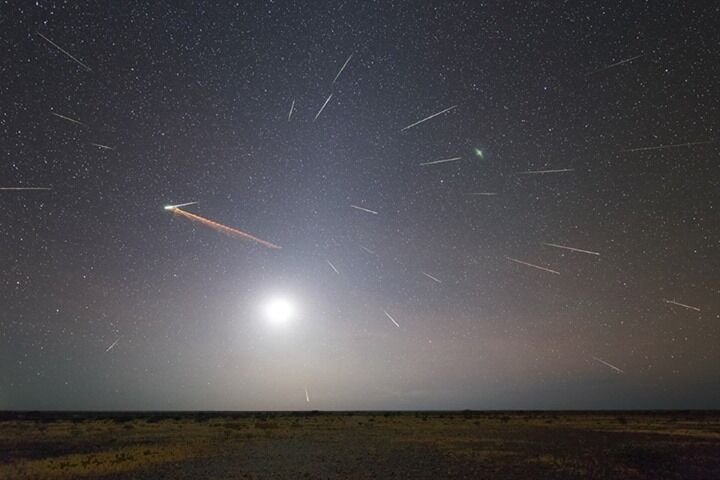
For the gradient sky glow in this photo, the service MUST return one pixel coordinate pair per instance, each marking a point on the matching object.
(194, 103)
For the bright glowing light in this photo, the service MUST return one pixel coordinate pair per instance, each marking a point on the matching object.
(173, 207)
(279, 311)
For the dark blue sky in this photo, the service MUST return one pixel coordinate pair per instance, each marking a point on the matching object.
(193, 103)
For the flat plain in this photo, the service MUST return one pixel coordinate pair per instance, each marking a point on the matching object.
(360, 445)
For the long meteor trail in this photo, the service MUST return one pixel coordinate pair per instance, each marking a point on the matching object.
(542, 172)
(21, 189)
(427, 118)
(618, 370)
(364, 209)
(101, 146)
(65, 52)
(616, 64)
(445, 160)
(322, 108)
(368, 250)
(341, 69)
(662, 147)
(332, 266)
(113, 345)
(431, 277)
(673, 302)
(572, 249)
(69, 119)
(233, 232)
(532, 265)
(391, 318)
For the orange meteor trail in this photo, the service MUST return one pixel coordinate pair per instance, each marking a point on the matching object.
(233, 232)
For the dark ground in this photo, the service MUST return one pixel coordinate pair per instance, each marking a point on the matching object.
(222, 445)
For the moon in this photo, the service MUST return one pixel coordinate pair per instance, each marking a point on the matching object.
(279, 311)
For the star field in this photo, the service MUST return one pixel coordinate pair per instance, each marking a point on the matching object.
(182, 104)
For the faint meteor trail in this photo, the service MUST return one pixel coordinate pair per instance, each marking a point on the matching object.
(618, 370)
(342, 68)
(111, 346)
(69, 119)
(533, 266)
(391, 318)
(445, 160)
(431, 277)
(307, 395)
(20, 189)
(673, 302)
(332, 266)
(322, 108)
(572, 249)
(104, 147)
(616, 64)
(292, 107)
(541, 172)
(483, 194)
(368, 250)
(63, 51)
(427, 118)
(364, 209)
(662, 147)
(233, 232)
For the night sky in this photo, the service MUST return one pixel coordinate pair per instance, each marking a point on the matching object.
(110, 301)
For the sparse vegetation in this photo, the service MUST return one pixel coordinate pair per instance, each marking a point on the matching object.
(324, 445)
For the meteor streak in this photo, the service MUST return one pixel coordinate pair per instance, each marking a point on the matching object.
(446, 160)
(608, 364)
(322, 108)
(541, 172)
(364, 209)
(673, 302)
(391, 318)
(427, 118)
(69, 119)
(616, 64)
(431, 277)
(332, 266)
(233, 232)
(111, 346)
(483, 194)
(571, 248)
(662, 147)
(104, 147)
(20, 189)
(533, 266)
(368, 250)
(63, 51)
(307, 395)
(292, 107)
(342, 68)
